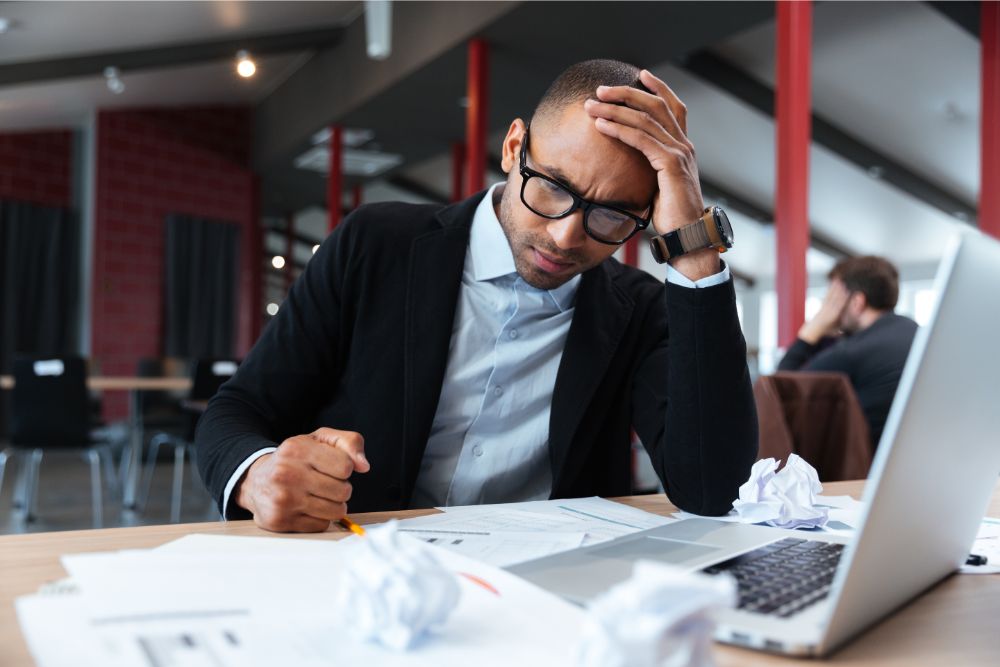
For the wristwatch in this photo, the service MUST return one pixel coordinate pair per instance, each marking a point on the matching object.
(711, 230)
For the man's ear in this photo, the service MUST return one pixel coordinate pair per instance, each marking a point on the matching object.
(858, 302)
(511, 150)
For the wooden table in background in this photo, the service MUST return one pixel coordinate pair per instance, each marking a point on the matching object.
(955, 624)
(133, 385)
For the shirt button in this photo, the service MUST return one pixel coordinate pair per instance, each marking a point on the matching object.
(477, 450)
(513, 334)
(498, 391)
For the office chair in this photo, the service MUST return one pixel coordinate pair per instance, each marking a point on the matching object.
(817, 416)
(50, 410)
(206, 378)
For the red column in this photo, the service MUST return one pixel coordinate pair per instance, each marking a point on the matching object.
(989, 183)
(457, 170)
(478, 84)
(256, 265)
(335, 180)
(290, 250)
(632, 251)
(356, 196)
(792, 119)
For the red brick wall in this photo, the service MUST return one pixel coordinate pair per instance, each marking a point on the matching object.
(36, 167)
(149, 164)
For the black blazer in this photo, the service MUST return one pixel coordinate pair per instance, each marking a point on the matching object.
(361, 344)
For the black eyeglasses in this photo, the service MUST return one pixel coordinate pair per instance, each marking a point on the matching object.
(551, 199)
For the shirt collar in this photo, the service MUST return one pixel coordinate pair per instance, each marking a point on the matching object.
(489, 251)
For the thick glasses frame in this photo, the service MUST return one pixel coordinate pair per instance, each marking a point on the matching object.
(578, 201)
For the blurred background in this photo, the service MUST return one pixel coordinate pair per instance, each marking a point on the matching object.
(168, 168)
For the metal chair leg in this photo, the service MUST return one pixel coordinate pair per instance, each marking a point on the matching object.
(20, 498)
(107, 457)
(175, 496)
(151, 455)
(4, 455)
(31, 495)
(96, 490)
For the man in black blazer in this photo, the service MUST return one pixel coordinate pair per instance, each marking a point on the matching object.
(352, 388)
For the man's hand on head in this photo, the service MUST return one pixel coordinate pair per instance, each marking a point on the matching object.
(303, 486)
(827, 320)
(655, 124)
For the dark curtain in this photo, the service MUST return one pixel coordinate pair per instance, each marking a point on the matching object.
(202, 270)
(39, 281)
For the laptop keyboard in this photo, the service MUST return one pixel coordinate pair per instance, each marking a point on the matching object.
(783, 578)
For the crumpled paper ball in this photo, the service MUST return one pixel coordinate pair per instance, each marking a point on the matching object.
(393, 591)
(786, 499)
(660, 617)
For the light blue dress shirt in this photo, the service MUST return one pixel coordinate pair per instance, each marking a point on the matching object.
(489, 441)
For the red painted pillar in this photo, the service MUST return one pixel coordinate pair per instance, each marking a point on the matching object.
(989, 183)
(335, 180)
(457, 170)
(356, 196)
(478, 85)
(792, 119)
(290, 250)
(632, 251)
(256, 265)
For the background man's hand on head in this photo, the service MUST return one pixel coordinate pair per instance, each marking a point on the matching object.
(827, 320)
(303, 486)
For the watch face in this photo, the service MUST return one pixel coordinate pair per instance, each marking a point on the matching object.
(725, 227)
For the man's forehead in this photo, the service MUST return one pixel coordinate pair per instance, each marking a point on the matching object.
(573, 151)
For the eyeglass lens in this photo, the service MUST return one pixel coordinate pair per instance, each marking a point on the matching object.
(547, 198)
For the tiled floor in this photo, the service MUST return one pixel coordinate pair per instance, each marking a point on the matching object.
(64, 501)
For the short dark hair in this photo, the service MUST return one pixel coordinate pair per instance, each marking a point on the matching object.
(875, 277)
(580, 81)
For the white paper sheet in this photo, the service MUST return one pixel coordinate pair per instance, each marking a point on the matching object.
(987, 544)
(600, 519)
(490, 626)
(499, 548)
(844, 512)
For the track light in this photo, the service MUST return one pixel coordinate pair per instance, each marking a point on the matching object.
(378, 28)
(245, 66)
(112, 77)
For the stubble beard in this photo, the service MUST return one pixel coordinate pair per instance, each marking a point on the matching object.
(521, 244)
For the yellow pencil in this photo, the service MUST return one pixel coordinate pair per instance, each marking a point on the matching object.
(351, 526)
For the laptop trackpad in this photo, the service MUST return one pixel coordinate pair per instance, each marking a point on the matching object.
(653, 548)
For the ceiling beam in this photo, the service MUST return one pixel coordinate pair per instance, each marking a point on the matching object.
(965, 15)
(817, 240)
(715, 70)
(338, 81)
(166, 56)
(413, 187)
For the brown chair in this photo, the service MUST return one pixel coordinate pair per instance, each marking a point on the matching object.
(818, 417)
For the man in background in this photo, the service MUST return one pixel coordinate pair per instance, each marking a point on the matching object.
(856, 332)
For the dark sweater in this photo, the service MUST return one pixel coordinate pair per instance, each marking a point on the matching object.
(361, 344)
(872, 358)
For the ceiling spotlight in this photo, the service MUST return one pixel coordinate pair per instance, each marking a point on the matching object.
(378, 28)
(112, 77)
(315, 248)
(278, 262)
(245, 65)
(272, 309)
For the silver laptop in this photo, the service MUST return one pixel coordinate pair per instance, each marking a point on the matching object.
(928, 488)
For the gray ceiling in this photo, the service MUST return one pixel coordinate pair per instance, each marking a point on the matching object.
(895, 87)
